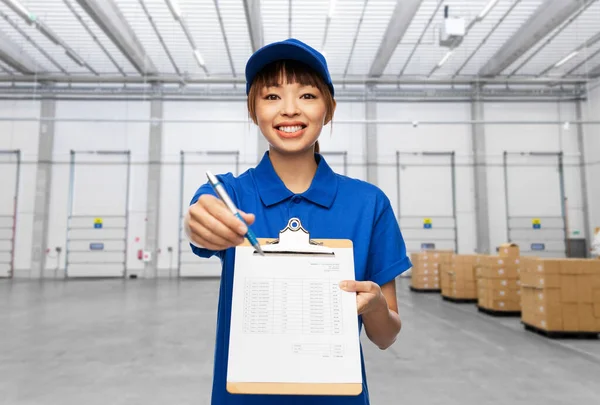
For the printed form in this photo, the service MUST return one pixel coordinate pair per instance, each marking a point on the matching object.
(291, 323)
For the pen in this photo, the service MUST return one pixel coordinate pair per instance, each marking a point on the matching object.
(220, 190)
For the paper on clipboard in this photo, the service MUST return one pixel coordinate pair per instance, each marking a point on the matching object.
(293, 330)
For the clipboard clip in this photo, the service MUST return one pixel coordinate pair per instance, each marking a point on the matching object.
(295, 240)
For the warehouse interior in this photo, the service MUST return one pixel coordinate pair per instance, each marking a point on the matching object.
(479, 120)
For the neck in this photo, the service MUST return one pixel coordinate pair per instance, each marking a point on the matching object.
(296, 171)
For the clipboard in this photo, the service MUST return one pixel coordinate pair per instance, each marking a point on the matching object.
(277, 349)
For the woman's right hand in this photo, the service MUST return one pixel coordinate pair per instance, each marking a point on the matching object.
(211, 225)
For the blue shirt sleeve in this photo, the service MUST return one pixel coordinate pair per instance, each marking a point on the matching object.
(387, 250)
(207, 189)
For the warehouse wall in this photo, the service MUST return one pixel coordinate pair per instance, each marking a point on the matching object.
(425, 181)
(23, 136)
(591, 111)
(533, 180)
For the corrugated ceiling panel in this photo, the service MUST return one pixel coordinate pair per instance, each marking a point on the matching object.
(519, 15)
(412, 35)
(236, 30)
(590, 59)
(474, 37)
(57, 52)
(174, 36)
(138, 21)
(341, 33)
(575, 34)
(375, 22)
(203, 23)
(60, 19)
(315, 13)
(275, 20)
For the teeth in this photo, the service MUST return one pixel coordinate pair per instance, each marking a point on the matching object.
(290, 129)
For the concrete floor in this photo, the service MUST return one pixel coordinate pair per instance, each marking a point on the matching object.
(151, 342)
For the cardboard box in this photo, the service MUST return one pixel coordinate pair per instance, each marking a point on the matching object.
(509, 250)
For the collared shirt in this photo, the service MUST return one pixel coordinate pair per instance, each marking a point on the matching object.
(334, 207)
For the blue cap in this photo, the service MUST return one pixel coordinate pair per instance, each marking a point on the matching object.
(289, 49)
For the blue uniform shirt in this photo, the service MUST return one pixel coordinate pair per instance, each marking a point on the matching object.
(334, 207)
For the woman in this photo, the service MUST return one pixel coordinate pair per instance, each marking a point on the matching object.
(291, 98)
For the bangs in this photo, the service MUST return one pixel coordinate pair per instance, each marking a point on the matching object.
(289, 72)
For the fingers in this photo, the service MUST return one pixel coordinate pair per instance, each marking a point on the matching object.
(212, 225)
(249, 218)
(358, 286)
(217, 209)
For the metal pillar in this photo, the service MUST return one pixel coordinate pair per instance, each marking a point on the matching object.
(518, 231)
(8, 221)
(153, 192)
(43, 186)
(428, 240)
(482, 217)
(185, 193)
(371, 142)
(587, 231)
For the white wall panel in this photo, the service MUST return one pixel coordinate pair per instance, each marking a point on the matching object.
(533, 181)
(349, 138)
(22, 135)
(198, 137)
(591, 111)
(107, 183)
(425, 188)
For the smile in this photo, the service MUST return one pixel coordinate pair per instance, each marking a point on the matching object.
(290, 131)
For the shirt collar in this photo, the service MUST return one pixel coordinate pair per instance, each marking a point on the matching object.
(272, 190)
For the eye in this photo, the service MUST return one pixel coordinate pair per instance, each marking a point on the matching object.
(308, 96)
(271, 97)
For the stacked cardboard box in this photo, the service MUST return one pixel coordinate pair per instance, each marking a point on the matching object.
(498, 280)
(426, 269)
(562, 295)
(458, 278)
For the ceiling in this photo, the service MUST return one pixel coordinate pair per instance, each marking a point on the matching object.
(355, 36)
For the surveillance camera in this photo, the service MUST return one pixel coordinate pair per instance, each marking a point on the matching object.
(415, 124)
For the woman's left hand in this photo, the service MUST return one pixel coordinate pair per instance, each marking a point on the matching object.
(368, 295)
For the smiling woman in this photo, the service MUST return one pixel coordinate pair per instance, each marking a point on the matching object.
(311, 89)
(291, 98)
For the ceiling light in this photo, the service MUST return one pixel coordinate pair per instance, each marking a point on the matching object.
(20, 8)
(174, 8)
(487, 9)
(331, 8)
(199, 58)
(566, 59)
(445, 58)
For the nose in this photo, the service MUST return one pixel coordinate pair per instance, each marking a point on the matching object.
(289, 107)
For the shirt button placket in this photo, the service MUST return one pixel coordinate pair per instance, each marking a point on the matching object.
(292, 211)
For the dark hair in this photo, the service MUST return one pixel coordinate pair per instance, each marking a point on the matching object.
(289, 71)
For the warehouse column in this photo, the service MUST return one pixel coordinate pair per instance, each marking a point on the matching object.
(480, 175)
(153, 193)
(371, 139)
(583, 174)
(43, 186)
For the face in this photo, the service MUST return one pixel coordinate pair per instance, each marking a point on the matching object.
(291, 116)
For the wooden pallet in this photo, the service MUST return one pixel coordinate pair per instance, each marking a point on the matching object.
(493, 312)
(561, 334)
(423, 290)
(460, 300)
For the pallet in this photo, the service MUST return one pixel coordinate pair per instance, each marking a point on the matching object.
(423, 290)
(561, 334)
(496, 313)
(460, 300)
